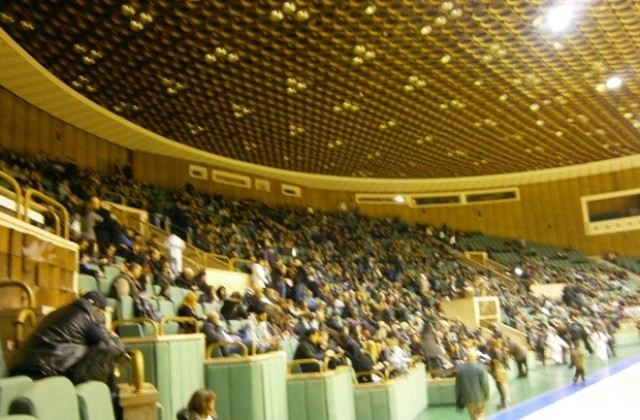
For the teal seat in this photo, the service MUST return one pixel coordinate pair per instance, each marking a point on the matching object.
(10, 388)
(124, 308)
(94, 401)
(51, 398)
(86, 281)
(110, 273)
(17, 417)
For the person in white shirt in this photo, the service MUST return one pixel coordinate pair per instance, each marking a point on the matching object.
(260, 274)
(175, 246)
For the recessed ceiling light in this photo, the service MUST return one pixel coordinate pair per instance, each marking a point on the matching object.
(614, 82)
(559, 18)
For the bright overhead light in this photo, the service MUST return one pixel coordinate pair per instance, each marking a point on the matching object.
(614, 82)
(398, 199)
(559, 18)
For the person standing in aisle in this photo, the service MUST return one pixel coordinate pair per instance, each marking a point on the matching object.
(472, 387)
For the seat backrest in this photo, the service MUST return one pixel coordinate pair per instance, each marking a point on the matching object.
(3, 363)
(51, 398)
(9, 389)
(94, 400)
(17, 417)
(86, 281)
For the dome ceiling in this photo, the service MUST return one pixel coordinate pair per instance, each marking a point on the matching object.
(374, 89)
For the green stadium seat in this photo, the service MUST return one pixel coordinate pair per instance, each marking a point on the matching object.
(86, 281)
(51, 398)
(10, 388)
(94, 401)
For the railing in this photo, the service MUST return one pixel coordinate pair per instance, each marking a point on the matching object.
(17, 191)
(30, 296)
(62, 224)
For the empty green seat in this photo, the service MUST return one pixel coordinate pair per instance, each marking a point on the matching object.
(10, 388)
(94, 401)
(86, 281)
(51, 398)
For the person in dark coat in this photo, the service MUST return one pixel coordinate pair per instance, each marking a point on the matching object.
(309, 347)
(233, 309)
(72, 341)
(472, 386)
(360, 362)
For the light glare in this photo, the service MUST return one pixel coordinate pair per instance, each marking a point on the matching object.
(559, 18)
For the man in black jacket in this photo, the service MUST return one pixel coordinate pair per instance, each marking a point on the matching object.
(310, 347)
(72, 341)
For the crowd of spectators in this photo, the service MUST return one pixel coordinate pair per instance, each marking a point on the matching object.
(361, 288)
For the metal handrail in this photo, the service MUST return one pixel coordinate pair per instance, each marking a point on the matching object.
(178, 319)
(17, 191)
(138, 320)
(299, 362)
(60, 230)
(25, 317)
(31, 297)
(213, 346)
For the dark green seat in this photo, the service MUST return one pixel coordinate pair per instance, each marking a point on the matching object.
(94, 401)
(52, 398)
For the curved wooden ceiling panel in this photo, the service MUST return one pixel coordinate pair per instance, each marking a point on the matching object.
(400, 89)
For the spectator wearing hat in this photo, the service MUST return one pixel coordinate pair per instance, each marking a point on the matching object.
(72, 341)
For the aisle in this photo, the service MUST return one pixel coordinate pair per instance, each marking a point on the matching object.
(547, 385)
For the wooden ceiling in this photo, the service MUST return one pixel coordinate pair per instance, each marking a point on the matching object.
(369, 89)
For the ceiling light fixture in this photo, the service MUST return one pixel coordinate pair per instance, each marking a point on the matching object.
(614, 82)
(559, 18)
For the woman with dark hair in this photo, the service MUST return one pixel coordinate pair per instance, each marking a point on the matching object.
(202, 406)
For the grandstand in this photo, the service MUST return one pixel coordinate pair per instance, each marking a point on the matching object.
(236, 178)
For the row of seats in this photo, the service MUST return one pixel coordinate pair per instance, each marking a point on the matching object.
(54, 398)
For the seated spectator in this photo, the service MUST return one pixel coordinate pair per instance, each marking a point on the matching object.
(309, 347)
(215, 332)
(188, 280)
(360, 361)
(207, 295)
(260, 333)
(129, 282)
(202, 406)
(221, 293)
(233, 309)
(187, 309)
